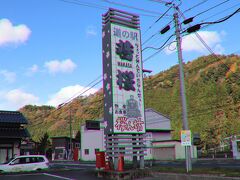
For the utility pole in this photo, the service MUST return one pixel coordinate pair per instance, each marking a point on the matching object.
(182, 87)
(70, 129)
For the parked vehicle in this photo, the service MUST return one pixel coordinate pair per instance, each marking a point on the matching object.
(25, 163)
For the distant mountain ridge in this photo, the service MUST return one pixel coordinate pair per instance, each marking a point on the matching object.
(213, 99)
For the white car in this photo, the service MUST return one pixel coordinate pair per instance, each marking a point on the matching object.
(25, 163)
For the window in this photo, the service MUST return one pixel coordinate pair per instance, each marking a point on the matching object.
(86, 151)
(16, 161)
(22, 160)
(28, 160)
(19, 161)
(33, 159)
(40, 159)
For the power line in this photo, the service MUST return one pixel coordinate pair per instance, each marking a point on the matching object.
(222, 19)
(198, 13)
(170, 21)
(68, 100)
(220, 12)
(160, 48)
(132, 7)
(213, 7)
(155, 41)
(164, 14)
(196, 5)
(149, 47)
(161, 1)
(80, 3)
(205, 44)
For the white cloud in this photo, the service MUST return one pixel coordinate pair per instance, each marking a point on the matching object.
(16, 98)
(8, 76)
(33, 69)
(91, 31)
(13, 34)
(65, 66)
(68, 92)
(192, 43)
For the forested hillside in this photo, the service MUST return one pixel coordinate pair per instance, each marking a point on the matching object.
(213, 98)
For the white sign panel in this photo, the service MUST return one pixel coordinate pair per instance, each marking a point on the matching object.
(127, 82)
(186, 138)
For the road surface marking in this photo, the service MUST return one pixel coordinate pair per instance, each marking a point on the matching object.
(56, 176)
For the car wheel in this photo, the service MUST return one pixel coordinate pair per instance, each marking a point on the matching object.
(1, 171)
(38, 169)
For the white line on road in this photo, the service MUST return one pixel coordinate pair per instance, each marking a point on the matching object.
(56, 176)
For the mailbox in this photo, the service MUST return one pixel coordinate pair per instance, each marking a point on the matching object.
(100, 160)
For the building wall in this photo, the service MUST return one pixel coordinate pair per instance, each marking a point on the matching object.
(91, 140)
(164, 153)
(16, 149)
(94, 139)
(9, 150)
(59, 142)
(235, 148)
(178, 149)
(161, 136)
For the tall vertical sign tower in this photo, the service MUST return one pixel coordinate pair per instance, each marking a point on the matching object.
(123, 83)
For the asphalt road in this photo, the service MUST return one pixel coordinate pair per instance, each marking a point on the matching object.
(60, 170)
(77, 174)
(82, 171)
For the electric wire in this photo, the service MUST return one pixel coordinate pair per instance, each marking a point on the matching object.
(155, 41)
(196, 5)
(80, 92)
(161, 1)
(164, 14)
(67, 102)
(213, 7)
(80, 3)
(206, 45)
(220, 12)
(159, 49)
(132, 7)
(149, 47)
(222, 19)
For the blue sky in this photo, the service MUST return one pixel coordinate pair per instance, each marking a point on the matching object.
(50, 50)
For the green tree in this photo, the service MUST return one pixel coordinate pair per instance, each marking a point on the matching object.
(44, 144)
